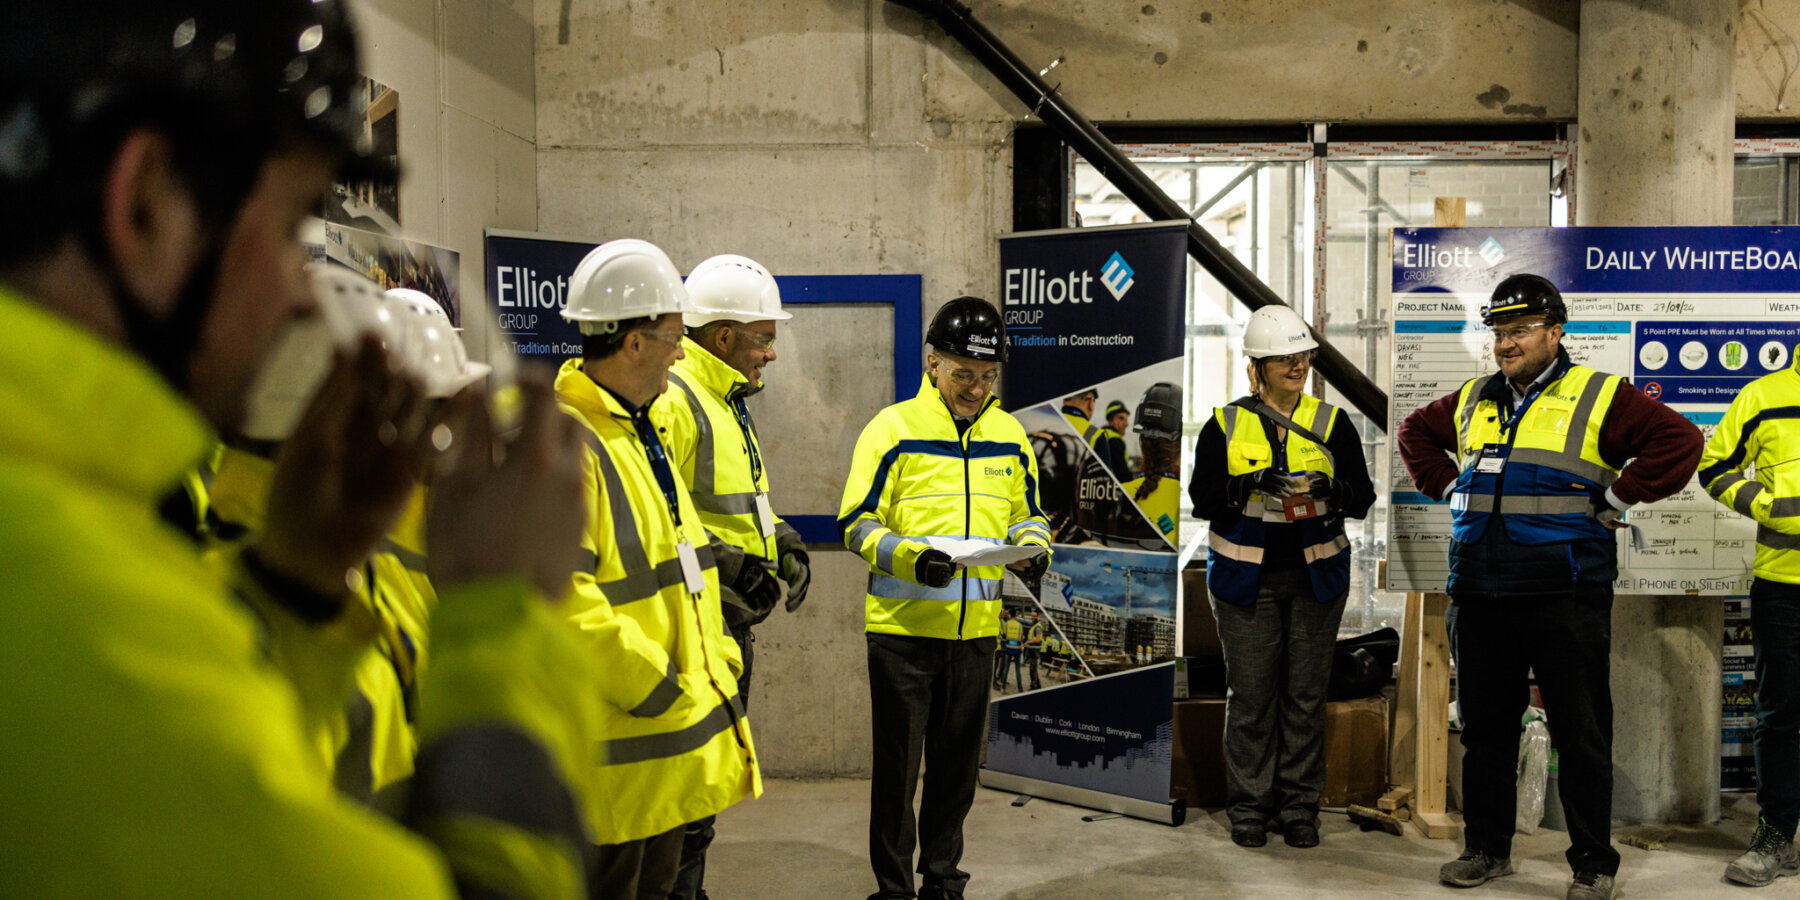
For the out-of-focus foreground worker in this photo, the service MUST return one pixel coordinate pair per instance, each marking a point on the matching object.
(947, 464)
(1539, 462)
(712, 442)
(370, 743)
(673, 745)
(1752, 464)
(168, 151)
(1158, 492)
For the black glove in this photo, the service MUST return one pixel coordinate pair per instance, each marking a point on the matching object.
(757, 593)
(796, 565)
(1327, 488)
(1035, 568)
(1262, 481)
(934, 569)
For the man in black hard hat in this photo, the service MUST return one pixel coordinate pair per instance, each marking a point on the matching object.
(1539, 463)
(947, 465)
(162, 740)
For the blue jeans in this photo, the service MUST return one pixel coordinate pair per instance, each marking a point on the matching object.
(1775, 627)
(1010, 662)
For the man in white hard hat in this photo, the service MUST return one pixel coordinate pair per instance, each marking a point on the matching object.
(673, 744)
(370, 743)
(712, 443)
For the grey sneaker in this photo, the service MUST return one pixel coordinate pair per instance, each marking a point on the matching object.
(1590, 886)
(1771, 855)
(1473, 868)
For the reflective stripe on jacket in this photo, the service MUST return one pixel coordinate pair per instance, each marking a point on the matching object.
(1761, 431)
(1553, 473)
(165, 756)
(1235, 551)
(913, 477)
(673, 747)
(712, 442)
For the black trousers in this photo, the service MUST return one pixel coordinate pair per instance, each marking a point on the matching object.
(928, 697)
(643, 869)
(1567, 641)
(690, 879)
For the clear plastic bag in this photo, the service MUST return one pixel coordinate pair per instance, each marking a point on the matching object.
(1534, 773)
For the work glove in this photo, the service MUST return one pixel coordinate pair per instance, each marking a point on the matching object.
(1262, 481)
(1327, 488)
(752, 595)
(1605, 514)
(934, 569)
(796, 566)
(1034, 568)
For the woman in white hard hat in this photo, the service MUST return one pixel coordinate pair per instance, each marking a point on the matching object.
(1275, 473)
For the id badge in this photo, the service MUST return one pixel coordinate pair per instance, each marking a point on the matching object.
(1493, 460)
(765, 517)
(690, 567)
(1299, 506)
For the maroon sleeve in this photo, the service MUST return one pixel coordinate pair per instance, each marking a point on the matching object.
(1426, 438)
(1662, 446)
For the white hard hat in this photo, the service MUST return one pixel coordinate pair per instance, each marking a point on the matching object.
(624, 279)
(349, 305)
(422, 300)
(427, 348)
(729, 288)
(1276, 331)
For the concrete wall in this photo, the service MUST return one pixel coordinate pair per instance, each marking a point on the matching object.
(848, 136)
(468, 126)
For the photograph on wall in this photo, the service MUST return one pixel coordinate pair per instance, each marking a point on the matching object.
(1096, 611)
(393, 263)
(1095, 481)
(372, 204)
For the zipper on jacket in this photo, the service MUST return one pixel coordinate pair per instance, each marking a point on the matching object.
(962, 608)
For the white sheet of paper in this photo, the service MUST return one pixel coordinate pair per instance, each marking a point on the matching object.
(982, 553)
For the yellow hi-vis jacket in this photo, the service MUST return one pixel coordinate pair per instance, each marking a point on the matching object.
(913, 477)
(151, 750)
(715, 450)
(368, 744)
(1761, 432)
(673, 746)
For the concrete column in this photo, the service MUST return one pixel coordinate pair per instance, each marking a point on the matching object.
(1656, 104)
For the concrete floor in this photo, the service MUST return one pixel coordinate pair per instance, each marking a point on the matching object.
(809, 839)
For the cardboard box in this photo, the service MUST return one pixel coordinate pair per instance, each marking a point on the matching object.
(1199, 631)
(1356, 744)
(1355, 753)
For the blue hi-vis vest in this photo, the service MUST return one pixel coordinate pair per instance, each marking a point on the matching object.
(1234, 553)
(1545, 470)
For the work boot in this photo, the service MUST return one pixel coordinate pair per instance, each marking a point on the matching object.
(939, 892)
(1590, 886)
(1771, 855)
(1248, 834)
(1473, 868)
(1301, 833)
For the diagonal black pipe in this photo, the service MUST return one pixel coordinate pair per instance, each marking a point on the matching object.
(1081, 135)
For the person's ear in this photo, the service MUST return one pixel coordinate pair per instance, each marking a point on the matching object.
(148, 221)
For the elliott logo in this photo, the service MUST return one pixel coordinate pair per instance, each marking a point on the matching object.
(1491, 252)
(980, 339)
(1116, 276)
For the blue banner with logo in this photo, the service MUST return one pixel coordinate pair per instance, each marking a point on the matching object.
(528, 286)
(1665, 261)
(1113, 734)
(1084, 305)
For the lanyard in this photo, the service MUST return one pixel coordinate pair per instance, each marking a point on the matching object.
(743, 417)
(1524, 405)
(659, 460)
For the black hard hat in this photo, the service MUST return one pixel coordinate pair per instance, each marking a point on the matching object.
(226, 82)
(1159, 414)
(969, 326)
(1525, 295)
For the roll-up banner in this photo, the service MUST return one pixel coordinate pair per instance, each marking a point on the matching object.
(1095, 338)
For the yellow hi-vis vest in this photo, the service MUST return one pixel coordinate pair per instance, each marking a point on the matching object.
(369, 743)
(712, 442)
(1092, 435)
(673, 747)
(913, 477)
(1553, 472)
(1761, 432)
(151, 750)
(1235, 546)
